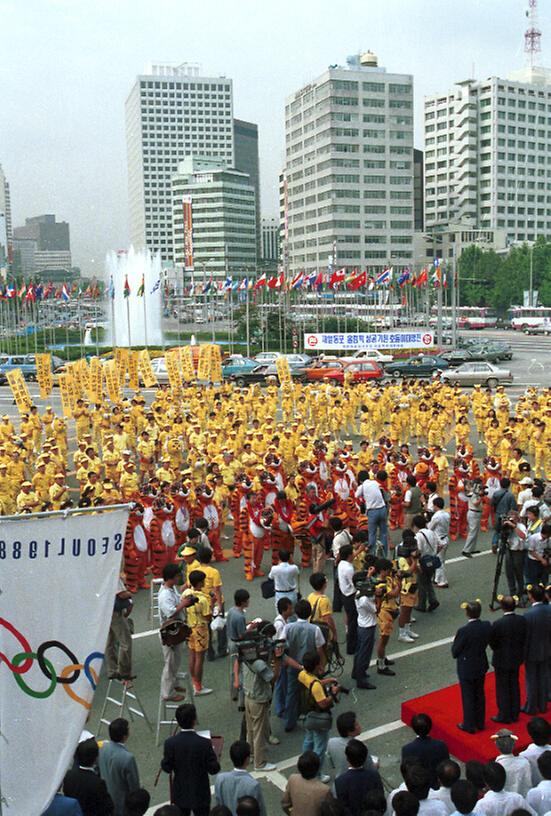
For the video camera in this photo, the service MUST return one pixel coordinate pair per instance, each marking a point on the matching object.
(365, 584)
(258, 643)
(474, 487)
(507, 525)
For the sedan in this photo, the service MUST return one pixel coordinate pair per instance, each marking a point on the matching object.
(236, 364)
(459, 356)
(335, 371)
(257, 374)
(423, 365)
(478, 374)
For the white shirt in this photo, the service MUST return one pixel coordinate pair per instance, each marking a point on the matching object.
(339, 540)
(280, 623)
(432, 807)
(367, 612)
(427, 541)
(443, 795)
(440, 524)
(531, 754)
(539, 798)
(544, 511)
(345, 573)
(525, 495)
(285, 576)
(519, 773)
(168, 599)
(501, 803)
(430, 501)
(370, 492)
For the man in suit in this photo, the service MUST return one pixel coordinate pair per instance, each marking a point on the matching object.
(191, 759)
(63, 806)
(427, 751)
(231, 786)
(507, 642)
(469, 650)
(83, 783)
(537, 651)
(117, 765)
(352, 786)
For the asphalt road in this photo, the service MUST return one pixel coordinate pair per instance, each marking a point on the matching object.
(420, 668)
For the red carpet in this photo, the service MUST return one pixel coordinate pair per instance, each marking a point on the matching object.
(444, 707)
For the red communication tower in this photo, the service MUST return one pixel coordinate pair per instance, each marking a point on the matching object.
(532, 36)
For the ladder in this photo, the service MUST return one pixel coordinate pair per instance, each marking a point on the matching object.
(166, 706)
(129, 703)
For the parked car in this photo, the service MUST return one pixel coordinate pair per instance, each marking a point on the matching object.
(364, 354)
(237, 364)
(459, 356)
(25, 362)
(423, 365)
(479, 373)
(544, 328)
(503, 351)
(336, 369)
(258, 374)
(267, 356)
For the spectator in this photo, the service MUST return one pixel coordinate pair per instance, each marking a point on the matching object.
(190, 758)
(540, 732)
(418, 783)
(413, 501)
(322, 611)
(247, 806)
(285, 577)
(428, 543)
(539, 798)
(370, 493)
(213, 588)
(118, 651)
(537, 649)
(447, 773)
(257, 689)
(366, 615)
(464, 796)
(352, 786)
(302, 636)
(84, 784)
(342, 536)
(137, 803)
(285, 611)
(117, 766)
(375, 803)
(405, 766)
(168, 810)
(305, 792)
(230, 786)
(171, 606)
(236, 624)
(507, 642)
(345, 576)
(518, 769)
(405, 803)
(497, 801)
(63, 806)
(348, 728)
(317, 723)
(474, 772)
(427, 751)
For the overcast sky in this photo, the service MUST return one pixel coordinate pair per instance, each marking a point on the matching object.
(66, 67)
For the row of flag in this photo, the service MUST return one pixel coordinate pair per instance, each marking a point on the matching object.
(35, 292)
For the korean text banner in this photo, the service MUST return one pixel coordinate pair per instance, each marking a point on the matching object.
(59, 576)
(369, 340)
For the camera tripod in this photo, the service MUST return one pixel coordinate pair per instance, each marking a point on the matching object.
(494, 604)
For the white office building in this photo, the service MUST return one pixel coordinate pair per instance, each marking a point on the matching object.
(488, 156)
(349, 169)
(223, 219)
(5, 221)
(172, 112)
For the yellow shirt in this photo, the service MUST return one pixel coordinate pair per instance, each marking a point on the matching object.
(321, 606)
(212, 578)
(198, 613)
(313, 684)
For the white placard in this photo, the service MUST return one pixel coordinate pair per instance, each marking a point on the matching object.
(58, 580)
(368, 340)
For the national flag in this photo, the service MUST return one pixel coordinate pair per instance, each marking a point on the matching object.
(318, 283)
(22, 290)
(111, 290)
(228, 284)
(141, 288)
(126, 289)
(244, 285)
(30, 295)
(384, 277)
(2, 292)
(310, 278)
(403, 277)
(156, 286)
(260, 282)
(64, 292)
(370, 283)
(39, 291)
(10, 291)
(444, 279)
(337, 278)
(297, 281)
(422, 277)
(235, 285)
(206, 288)
(359, 280)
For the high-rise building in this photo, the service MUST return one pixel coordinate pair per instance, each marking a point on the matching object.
(5, 221)
(173, 112)
(488, 156)
(349, 168)
(245, 148)
(418, 190)
(270, 239)
(219, 230)
(43, 244)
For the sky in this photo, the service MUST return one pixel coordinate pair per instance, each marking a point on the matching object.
(67, 66)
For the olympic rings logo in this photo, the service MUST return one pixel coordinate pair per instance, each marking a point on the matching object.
(22, 662)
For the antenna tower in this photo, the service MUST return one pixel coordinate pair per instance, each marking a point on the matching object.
(532, 36)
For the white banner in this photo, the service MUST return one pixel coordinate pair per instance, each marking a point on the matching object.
(369, 340)
(58, 583)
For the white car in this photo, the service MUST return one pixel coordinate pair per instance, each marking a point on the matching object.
(373, 355)
(267, 357)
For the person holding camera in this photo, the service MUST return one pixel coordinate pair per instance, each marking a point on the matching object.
(474, 494)
(171, 606)
(408, 568)
(427, 544)
(257, 682)
(321, 697)
(387, 593)
(513, 538)
(537, 560)
(198, 618)
(367, 627)
(440, 524)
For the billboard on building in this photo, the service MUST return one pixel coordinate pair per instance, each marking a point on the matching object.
(368, 340)
(188, 233)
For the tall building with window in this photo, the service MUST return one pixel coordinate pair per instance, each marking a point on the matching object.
(270, 239)
(42, 245)
(172, 112)
(5, 221)
(223, 219)
(488, 156)
(349, 169)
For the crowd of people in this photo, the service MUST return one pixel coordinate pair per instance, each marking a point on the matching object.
(363, 486)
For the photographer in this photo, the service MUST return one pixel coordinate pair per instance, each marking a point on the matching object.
(387, 593)
(408, 567)
(503, 503)
(171, 606)
(474, 492)
(258, 679)
(537, 561)
(513, 538)
(367, 626)
(321, 698)
(428, 544)
(440, 524)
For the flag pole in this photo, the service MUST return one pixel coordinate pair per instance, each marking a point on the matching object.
(247, 317)
(145, 322)
(128, 321)
(113, 327)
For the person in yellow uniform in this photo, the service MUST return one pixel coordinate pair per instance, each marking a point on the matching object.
(17, 468)
(41, 483)
(7, 431)
(387, 592)
(213, 589)
(111, 459)
(27, 501)
(47, 420)
(322, 609)
(36, 425)
(111, 494)
(92, 489)
(59, 493)
(129, 482)
(82, 419)
(198, 618)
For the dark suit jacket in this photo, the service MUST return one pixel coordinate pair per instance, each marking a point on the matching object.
(90, 791)
(538, 633)
(428, 752)
(469, 649)
(191, 759)
(507, 641)
(352, 786)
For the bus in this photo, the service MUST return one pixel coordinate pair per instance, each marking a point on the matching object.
(468, 317)
(528, 317)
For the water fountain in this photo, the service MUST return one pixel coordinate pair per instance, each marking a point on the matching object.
(139, 317)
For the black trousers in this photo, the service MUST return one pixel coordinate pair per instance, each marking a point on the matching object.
(536, 687)
(474, 702)
(507, 694)
(349, 606)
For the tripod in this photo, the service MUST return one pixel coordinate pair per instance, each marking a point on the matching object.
(494, 604)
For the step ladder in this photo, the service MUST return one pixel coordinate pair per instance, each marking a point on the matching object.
(129, 703)
(156, 584)
(166, 706)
